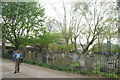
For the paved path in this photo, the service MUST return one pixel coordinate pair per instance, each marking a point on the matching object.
(32, 71)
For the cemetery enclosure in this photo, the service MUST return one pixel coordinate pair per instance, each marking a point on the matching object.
(104, 63)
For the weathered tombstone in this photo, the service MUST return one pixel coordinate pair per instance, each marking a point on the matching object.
(103, 59)
(50, 60)
(47, 58)
(118, 64)
(96, 60)
(26, 55)
(53, 59)
(44, 57)
(82, 60)
(75, 57)
(63, 55)
(29, 55)
(58, 59)
(67, 60)
(39, 57)
(89, 63)
(33, 56)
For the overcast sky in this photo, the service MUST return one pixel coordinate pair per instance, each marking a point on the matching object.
(50, 6)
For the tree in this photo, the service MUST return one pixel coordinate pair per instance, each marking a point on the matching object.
(114, 48)
(70, 26)
(76, 25)
(63, 24)
(20, 20)
(110, 32)
(110, 28)
(93, 13)
(52, 25)
(41, 41)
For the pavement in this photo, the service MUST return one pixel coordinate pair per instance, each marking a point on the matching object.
(33, 71)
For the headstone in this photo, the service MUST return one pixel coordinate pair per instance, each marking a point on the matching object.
(53, 59)
(89, 63)
(67, 60)
(118, 65)
(29, 55)
(75, 57)
(96, 60)
(58, 59)
(33, 56)
(39, 57)
(63, 55)
(82, 60)
(50, 59)
(47, 58)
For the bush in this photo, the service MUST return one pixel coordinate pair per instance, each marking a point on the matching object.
(83, 72)
(75, 64)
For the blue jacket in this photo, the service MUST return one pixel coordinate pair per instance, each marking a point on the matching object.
(15, 56)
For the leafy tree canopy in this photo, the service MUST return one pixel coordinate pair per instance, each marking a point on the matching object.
(20, 20)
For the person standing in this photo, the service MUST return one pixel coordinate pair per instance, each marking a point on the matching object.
(17, 57)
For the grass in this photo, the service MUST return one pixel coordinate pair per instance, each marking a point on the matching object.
(75, 64)
(54, 67)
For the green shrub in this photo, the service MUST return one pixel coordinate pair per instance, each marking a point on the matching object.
(108, 75)
(75, 64)
(83, 72)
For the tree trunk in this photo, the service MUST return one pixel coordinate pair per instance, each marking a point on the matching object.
(67, 51)
(99, 46)
(108, 47)
(3, 44)
(88, 45)
(75, 45)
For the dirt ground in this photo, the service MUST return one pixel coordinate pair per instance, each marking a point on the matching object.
(32, 71)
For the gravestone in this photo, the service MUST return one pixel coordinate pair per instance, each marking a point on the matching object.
(82, 60)
(75, 57)
(96, 60)
(50, 60)
(118, 64)
(47, 57)
(63, 55)
(33, 56)
(29, 55)
(38, 57)
(67, 60)
(103, 60)
(89, 63)
(58, 59)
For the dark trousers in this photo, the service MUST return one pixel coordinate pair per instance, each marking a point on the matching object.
(17, 65)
